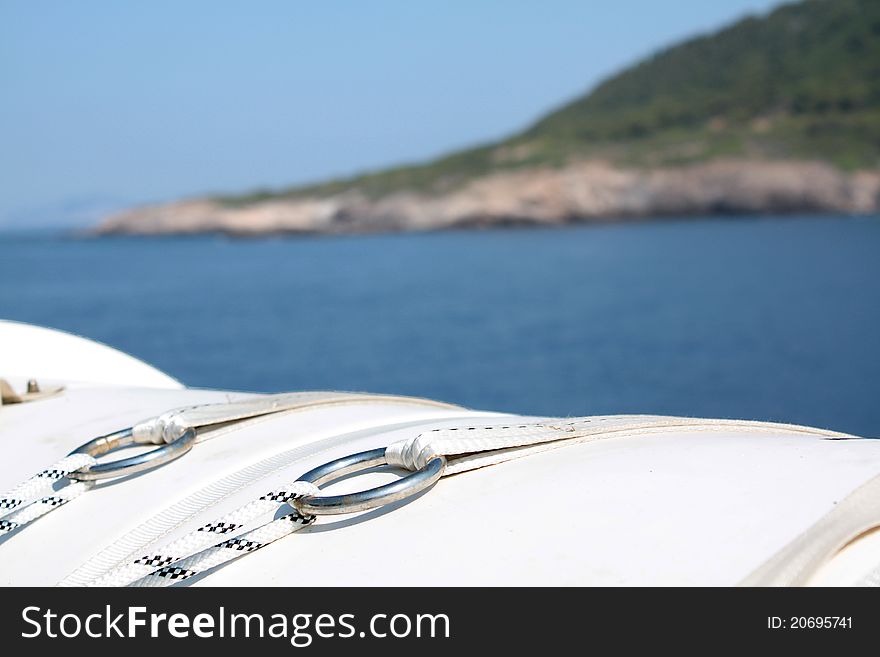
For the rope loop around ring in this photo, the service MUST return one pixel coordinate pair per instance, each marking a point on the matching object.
(403, 488)
(133, 464)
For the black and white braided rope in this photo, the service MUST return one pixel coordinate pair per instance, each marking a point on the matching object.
(36, 496)
(199, 550)
(221, 553)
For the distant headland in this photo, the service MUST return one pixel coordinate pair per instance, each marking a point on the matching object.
(777, 114)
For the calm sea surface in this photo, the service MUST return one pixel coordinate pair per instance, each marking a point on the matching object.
(775, 319)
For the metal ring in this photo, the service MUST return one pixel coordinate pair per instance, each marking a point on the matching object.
(369, 499)
(140, 463)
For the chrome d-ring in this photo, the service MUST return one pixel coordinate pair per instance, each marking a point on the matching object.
(403, 488)
(140, 463)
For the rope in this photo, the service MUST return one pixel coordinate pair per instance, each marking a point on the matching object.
(217, 418)
(198, 551)
(36, 496)
(470, 447)
(130, 544)
(226, 551)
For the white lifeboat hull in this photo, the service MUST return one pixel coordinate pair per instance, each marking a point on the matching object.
(668, 506)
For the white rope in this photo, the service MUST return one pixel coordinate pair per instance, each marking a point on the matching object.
(126, 547)
(198, 551)
(131, 544)
(469, 447)
(217, 418)
(222, 553)
(36, 496)
(43, 505)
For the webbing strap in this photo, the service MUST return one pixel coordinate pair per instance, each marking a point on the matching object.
(798, 561)
(466, 448)
(209, 420)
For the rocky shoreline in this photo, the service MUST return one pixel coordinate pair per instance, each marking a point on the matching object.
(579, 192)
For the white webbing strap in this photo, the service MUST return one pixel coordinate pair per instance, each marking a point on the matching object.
(797, 562)
(129, 545)
(209, 420)
(467, 448)
(199, 550)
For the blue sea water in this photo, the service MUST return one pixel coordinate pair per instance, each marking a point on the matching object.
(773, 318)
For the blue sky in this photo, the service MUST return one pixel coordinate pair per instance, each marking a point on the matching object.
(109, 103)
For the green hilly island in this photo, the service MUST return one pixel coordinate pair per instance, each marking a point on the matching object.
(774, 113)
